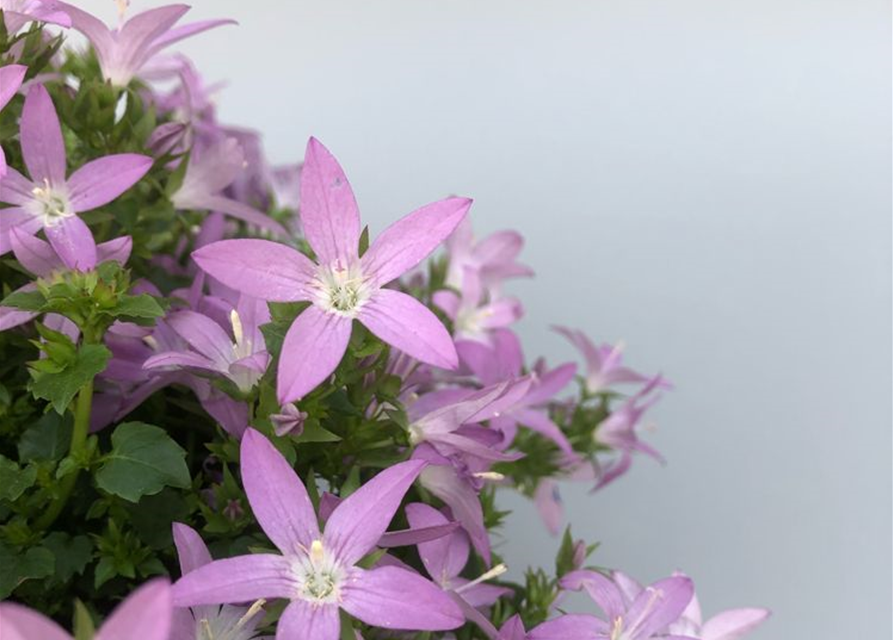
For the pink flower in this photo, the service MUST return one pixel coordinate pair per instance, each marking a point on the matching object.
(341, 285)
(11, 77)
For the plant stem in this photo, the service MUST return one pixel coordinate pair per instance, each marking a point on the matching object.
(82, 410)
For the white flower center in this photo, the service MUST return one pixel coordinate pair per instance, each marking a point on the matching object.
(319, 576)
(51, 203)
(341, 289)
(227, 622)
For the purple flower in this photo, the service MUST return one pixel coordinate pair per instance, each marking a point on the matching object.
(209, 621)
(122, 52)
(342, 286)
(445, 558)
(493, 258)
(604, 363)
(645, 617)
(49, 200)
(475, 314)
(11, 77)
(145, 614)
(210, 172)
(39, 258)
(291, 420)
(733, 624)
(241, 357)
(316, 571)
(17, 13)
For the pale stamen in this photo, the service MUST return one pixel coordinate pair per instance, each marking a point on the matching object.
(495, 572)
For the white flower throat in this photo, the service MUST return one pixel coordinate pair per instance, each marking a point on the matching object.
(341, 289)
(51, 203)
(319, 575)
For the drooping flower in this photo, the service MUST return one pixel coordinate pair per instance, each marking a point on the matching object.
(11, 77)
(316, 572)
(145, 614)
(40, 259)
(122, 52)
(49, 200)
(211, 171)
(241, 357)
(474, 313)
(208, 622)
(733, 624)
(445, 558)
(341, 285)
(645, 617)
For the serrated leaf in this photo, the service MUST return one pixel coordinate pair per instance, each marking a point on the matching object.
(24, 300)
(34, 564)
(141, 307)
(313, 432)
(14, 480)
(72, 554)
(46, 439)
(60, 388)
(143, 460)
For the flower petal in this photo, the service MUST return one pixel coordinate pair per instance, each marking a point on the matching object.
(73, 241)
(239, 579)
(444, 557)
(243, 212)
(329, 214)
(102, 180)
(733, 624)
(411, 239)
(302, 621)
(358, 522)
(603, 591)
(258, 268)
(11, 77)
(313, 347)
(172, 360)
(191, 549)
(575, 625)
(33, 253)
(394, 598)
(146, 613)
(22, 623)
(20, 219)
(41, 138)
(204, 335)
(405, 323)
(185, 31)
(277, 496)
(115, 250)
(460, 496)
(657, 606)
(15, 188)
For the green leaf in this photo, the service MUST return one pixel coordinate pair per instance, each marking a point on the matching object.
(36, 563)
(59, 388)
(72, 554)
(313, 432)
(14, 480)
(142, 462)
(24, 300)
(104, 571)
(141, 307)
(46, 439)
(84, 628)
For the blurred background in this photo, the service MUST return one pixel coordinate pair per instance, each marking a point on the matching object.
(707, 180)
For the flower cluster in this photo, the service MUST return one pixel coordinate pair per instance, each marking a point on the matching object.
(220, 393)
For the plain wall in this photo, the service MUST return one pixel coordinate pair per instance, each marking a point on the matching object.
(708, 180)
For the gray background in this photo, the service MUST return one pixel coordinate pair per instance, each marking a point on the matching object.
(708, 180)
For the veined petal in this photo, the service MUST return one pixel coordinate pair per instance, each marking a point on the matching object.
(146, 613)
(104, 179)
(733, 624)
(33, 253)
(444, 557)
(167, 360)
(603, 591)
(576, 626)
(177, 34)
(20, 219)
(41, 138)
(133, 40)
(657, 606)
(73, 241)
(97, 33)
(115, 250)
(539, 421)
(303, 621)
(460, 496)
(394, 598)
(11, 77)
(258, 268)
(405, 323)
(277, 496)
(411, 239)
(550, 383)
(330, 218)
(243, 212)
(239, 579)
(358, 522)
(313, 347)
(191, 549)
(15, 188)
(204, 335)
(22, 623)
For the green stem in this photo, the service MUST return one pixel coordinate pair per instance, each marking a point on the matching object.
(82, 409)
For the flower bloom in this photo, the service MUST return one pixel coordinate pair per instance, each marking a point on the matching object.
(317, 571)
(145, 614)
(11, 77)
(49, 200)
(341, 285)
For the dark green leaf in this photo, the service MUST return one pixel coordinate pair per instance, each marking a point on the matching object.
(142, 462)
(59, 388)
(72, 554)
(46, 439)
(14, 480)
(34, 564)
